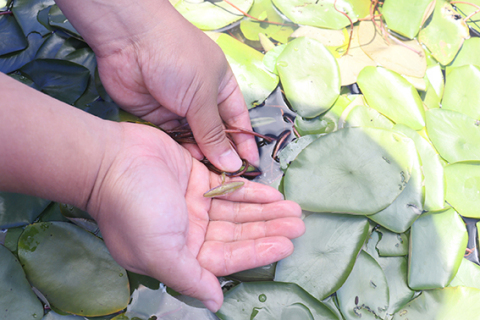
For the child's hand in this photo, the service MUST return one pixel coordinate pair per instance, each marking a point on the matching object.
(155, 220)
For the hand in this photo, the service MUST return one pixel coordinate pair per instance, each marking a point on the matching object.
(150, 207)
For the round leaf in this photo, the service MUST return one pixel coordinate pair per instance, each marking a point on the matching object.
(15, 60)
(18, 209)
(310, 77)
(11, 36)
(406, 17)
(325, 254)
(468, 54)
(353, 170)
(73, 269)
(363, 116)
(463, 187)
(392, 244)
(26, 11)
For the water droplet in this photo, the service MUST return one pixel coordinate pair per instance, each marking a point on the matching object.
(262, 298)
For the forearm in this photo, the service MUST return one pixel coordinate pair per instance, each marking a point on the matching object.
(48, 148)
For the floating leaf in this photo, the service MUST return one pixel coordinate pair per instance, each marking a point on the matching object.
(336, 41)
(291, 150)
(444, 33)
(442, 304)
(392, 244)
(270, 58)
(324, 256)
(265, 273)
(435, 87)
(255, 82)
(52, 44)
(365, 293)
(208, 15)
(437, 243)
(455, 135)
(272, 300)
(79, 276)
(468, 54)
(52, 315)
(463, 187)
(11, 36)
(466, 9)
(392, 95)
(17, 300)
(26, 11)
(19, 209)
(468, 275)
(406, 18)
(403, 57)
(353, 170)
(57, 19)
(13, 61)
(462, 90)
(310, 77)
(363, 116)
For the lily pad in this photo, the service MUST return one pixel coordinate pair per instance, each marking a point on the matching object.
(403, 57)
(437, 243)
(392, 244)
(324, 256)
(455, 136)
(18, 209)
(442, 304)
(444, 33)
(466, 9)
(463, 187)
(11, 36)
(26, 11)
(17, 300)
(15, 60)
(468, 275)
(407, 17)
(353, 170)
(365, 293)
(435, 87)
(58, 20)
(255, 82)
(291, 150)
(272, 300)
(208, 15)
(79, 276)
(363, 116)
(310, 77)
(468, 53)
(393, 96)
(462, 90)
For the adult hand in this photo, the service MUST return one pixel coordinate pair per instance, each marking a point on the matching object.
(158, 66)
(149, 204)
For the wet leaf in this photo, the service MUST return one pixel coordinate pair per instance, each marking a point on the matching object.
(79, 276)
(392, 244)
(291, 150)
(406, 17)
(310, 77)
(463, 187)
(365, 293)
(437, 243)
(11, 36)
(442, 304)
(392, 95)
(272, 300)
(19, 209)
(17, 300)
(455, 135)
(26, 11)
(353, 170)
(444, 33)
(265, 273)
(468, 275)
(403, 57)
(255, 82)
(324, 256)
(14, 61)
(208, 15)
(462, 90)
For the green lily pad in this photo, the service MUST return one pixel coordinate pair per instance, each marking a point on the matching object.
(291, 150)
(11, 239)
(17, 300)
(437, 244)
(265, 273)
(443, 304)
(255, 82)
(52, 315)
(208, 15)
(455, 136)
(444, 33)
(432, 169)
(272, 300)
(363, 116)
(60, 79)
(392, 244)
(463, 187)
(310, 77)
(57, 19)
(468, 275)
(15, 60)
(270, 58)
(324, 256)
(322, 13)
(435, 87)
(466, 9)
(353, 170)
(19, 209)
(406, 18)
(365, 293)
(393, 96)
(407, 207)
(26, 11)
(52, 44)
(11, 36)
(462, 90)
(468, 53)
(79, 276)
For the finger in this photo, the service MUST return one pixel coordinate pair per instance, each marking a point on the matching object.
(223, 259)
(186, 276)
(194, 150)
(239, 212)
(228, 231)
(234, 113)
(207, 127)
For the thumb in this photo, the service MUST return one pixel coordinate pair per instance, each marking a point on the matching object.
(208, 130)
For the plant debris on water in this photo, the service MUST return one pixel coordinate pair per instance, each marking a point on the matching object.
(366, 114)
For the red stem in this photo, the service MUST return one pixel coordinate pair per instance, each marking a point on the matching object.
(5, 12)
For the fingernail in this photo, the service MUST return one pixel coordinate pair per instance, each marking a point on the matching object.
(230, 161)
(211, 305)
